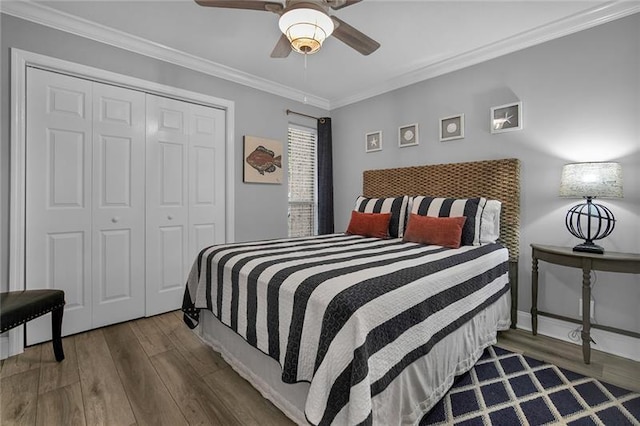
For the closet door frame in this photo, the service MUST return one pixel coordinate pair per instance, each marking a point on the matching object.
(20, 60)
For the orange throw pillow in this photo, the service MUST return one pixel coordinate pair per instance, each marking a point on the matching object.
(369, 224)
(440, 231)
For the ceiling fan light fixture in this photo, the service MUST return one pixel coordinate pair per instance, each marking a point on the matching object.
(306, 28)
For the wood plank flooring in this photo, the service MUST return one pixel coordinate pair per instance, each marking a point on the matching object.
(151, 371)
(155, 371)
(609, 368)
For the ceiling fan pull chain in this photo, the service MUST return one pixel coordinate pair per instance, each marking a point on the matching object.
(304, 77)
(304, 72)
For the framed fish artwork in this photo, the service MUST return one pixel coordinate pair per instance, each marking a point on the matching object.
(262, 160)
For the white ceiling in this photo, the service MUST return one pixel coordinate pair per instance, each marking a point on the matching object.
(419, 39)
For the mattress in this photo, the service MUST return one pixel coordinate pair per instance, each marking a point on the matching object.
(377, 328)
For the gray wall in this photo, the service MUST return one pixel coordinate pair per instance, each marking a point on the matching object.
(260, 210)
(581, 102)
(580, 97)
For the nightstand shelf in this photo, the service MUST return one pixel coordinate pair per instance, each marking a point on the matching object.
(609, 261)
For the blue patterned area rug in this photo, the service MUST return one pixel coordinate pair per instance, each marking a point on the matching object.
(506, 388)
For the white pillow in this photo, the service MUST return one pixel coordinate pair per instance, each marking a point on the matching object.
(490, 222)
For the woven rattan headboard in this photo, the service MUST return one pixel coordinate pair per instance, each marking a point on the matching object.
(495, 179)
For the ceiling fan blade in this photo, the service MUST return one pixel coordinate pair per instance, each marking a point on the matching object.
(354, 38)
(282, 49)
(339, 4)
(243, 4)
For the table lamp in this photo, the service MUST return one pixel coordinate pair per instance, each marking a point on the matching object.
(590, 221)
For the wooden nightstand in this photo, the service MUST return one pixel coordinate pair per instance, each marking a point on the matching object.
(609, 261)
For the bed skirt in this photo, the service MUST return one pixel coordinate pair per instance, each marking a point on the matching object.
(430, 377)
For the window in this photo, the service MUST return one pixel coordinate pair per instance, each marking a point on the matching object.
(301, 143)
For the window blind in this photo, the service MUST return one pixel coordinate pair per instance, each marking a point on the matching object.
(302, 181)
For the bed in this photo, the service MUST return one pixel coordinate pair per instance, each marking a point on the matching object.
(348, 329)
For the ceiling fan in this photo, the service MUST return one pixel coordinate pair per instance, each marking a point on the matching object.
(305, 24)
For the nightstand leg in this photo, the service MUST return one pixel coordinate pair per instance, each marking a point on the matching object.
(586, 312)
(534, 296)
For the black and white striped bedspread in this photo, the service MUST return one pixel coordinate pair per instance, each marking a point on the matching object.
(343, 312)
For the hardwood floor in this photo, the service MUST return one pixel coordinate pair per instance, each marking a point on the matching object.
(155, 371)
(612, 369)
(151, 371)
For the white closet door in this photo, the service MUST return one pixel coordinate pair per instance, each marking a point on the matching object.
(58, 196)
(85, 200)
(206, 178)
(123, 190)
(167, 198)
(118, 204)
(185, 194)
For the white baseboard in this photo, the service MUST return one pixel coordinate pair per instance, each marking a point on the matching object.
(606, 341)
(4, 347)
(11, 342)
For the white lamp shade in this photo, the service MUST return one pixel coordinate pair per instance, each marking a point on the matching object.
(306, 28)
(591, 180)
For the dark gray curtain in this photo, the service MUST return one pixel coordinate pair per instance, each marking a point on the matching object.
(325, 177)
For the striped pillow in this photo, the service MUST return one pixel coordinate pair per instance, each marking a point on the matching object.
(396, 206)
(453, 207)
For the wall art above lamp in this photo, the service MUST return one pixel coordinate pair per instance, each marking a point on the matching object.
(590, 221)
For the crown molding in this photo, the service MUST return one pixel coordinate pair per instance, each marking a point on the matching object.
(44, 15)
(49, 17)
(562, 27)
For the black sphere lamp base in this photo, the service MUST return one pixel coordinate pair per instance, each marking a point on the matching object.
(589, 248)
(595, 219)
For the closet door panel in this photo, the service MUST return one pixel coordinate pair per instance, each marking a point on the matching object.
(64, 267)
(171, 248)
(118, 204)
(167, 220)
(172, 174)
(58, 196)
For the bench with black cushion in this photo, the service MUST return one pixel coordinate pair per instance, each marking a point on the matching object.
(18, 307)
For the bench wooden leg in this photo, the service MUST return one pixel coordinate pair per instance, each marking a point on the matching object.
(56, 330)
